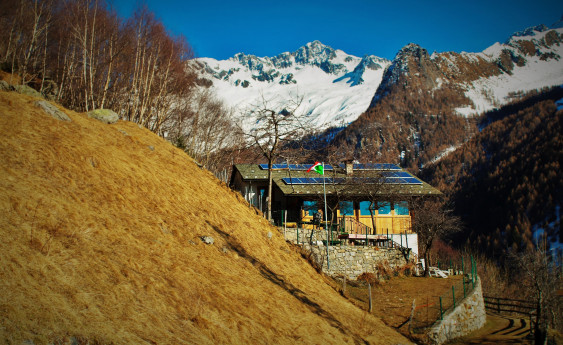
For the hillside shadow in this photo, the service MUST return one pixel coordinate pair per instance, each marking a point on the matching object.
(273, 277)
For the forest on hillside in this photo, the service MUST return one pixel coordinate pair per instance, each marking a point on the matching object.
(412, 119)
(505, 183)
(84, 56)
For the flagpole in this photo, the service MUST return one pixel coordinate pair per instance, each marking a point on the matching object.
(326, 221)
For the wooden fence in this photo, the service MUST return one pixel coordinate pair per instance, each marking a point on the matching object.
(509, 305)
(512, 306)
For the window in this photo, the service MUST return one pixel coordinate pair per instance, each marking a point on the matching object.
(364, 208)
(346, 208)
(402, 208)
(384, 207)
(310, 207)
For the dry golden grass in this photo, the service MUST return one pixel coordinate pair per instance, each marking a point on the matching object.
(100, 235)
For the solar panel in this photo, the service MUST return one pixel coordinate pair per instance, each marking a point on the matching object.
(308, 180)
(395, 174)
(376, 166)
(372, 166)
(358, 180)
(297, 167)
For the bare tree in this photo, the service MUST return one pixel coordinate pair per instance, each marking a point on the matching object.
(273, 123)
(25, 26)
(95, 59)
(432, 220)
(203, 126)
(543, 278)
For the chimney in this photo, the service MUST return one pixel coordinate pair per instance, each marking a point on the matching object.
(349, 168)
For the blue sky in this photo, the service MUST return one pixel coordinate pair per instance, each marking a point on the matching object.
(220, 29)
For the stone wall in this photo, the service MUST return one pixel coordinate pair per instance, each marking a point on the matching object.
(351, 261)
(302, 236)
(467, 317)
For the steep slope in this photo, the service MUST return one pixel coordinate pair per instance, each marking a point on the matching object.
(419, 109)
(506, 181)
(336, 87)
(101, 243)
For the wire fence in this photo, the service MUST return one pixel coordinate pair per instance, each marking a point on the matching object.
(428, 312)
(428, 307)
(433, 309)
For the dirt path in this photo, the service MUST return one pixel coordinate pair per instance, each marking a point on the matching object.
(499, 329)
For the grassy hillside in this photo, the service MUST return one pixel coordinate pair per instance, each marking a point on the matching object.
(101, 229)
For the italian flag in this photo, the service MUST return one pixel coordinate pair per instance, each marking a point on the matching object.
(317, 167)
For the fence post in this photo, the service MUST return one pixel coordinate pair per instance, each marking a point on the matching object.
(453, 294)
(370, 302)
(462, 268)
(407, 246)
(463, 283)
(472, 272)
(297, 233)
(441, 311)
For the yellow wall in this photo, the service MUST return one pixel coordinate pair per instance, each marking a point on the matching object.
(389, 222)
(395, 224)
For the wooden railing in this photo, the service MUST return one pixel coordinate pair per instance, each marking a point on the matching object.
(352, 226)
(509, 305)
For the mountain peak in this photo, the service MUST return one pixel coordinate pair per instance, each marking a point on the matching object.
(317, 44)
(531, 31)
(412, 49)
(314, 53)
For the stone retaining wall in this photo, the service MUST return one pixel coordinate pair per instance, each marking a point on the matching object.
(351, 261)
(300, 236)
(467, 317)
(317, 236)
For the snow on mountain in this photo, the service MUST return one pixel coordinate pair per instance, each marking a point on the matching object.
(335, 87)
(529, 59)
(535, 59)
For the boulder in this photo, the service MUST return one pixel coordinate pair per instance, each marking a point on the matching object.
(52, 110)
(4, 86)
(207, 239)
(27, 90)
(104, 115)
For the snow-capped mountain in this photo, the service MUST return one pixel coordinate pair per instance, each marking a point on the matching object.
(529, 59)
(419, 110)
(335, 87)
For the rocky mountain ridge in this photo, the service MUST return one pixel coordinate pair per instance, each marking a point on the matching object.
(529, 59)
(426, 104)
(336, 86)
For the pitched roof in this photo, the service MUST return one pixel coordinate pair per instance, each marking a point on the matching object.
(385, 180)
